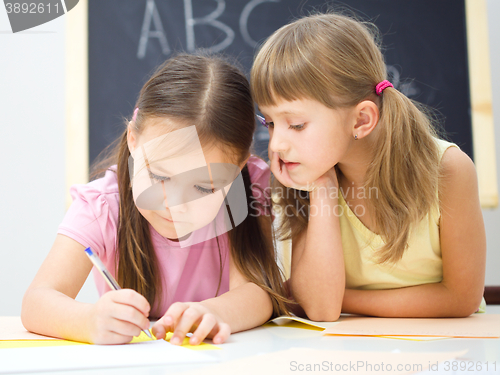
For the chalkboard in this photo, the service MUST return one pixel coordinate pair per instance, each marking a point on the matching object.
(424, 45)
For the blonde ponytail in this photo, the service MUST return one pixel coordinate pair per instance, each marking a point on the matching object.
(404, 170)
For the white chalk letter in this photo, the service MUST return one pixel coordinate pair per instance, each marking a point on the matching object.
(210, 19)
(151, 13)
(244, 20)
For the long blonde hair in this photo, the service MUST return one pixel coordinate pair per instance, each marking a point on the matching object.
(336, 60)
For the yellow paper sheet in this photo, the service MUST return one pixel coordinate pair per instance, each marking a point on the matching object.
(474, 326)
(185, 344)
(288, 320)
(409, 338)
(14, 335)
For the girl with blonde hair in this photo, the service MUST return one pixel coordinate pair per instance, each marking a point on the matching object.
(383, 215)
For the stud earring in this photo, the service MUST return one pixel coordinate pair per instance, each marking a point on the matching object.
(356, 137)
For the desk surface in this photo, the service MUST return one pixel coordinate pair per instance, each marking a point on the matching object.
(271, 338)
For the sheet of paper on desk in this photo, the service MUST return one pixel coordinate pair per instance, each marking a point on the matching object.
(282, 320)
(158, 352)
(11, 328)
(474, 326)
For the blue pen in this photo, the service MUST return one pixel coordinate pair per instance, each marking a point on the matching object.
(107, 276)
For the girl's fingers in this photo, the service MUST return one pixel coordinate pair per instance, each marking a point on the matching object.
(162, 326)
(169, 321)
(275, 164)
(281, 174)
(131, 315)
(112, 338)
(132, 298)
(159, 331)
(207, 324)
(175, 311)
(124, 328)
(189, 318)
(223, 334)
(181, 318)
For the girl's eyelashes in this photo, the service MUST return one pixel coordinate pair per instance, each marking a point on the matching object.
(297, 127)
(201, 189)
(204, 190)
(270, 125)
(157, 178)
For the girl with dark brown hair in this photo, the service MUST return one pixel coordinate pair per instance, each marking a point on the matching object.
(165, 219)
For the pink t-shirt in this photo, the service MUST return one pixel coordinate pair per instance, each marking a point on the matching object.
(189, 274)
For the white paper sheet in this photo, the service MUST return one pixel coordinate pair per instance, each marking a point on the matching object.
(11, 328)
(157, 352)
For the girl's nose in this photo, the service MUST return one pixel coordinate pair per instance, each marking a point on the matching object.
(277, 141)
(178, 209)
(178, 203)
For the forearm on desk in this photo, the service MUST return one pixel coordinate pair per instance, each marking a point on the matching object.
(317, 279)
(421, 301)
(244, 307)
(49, 312)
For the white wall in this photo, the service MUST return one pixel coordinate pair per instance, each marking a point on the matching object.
(32, 152)
(492, 217)
(32, 188)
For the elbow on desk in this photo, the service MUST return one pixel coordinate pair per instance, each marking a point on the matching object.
(322, 314)
(466, 309)
(462, 312)
(465, 304)
(26, 316)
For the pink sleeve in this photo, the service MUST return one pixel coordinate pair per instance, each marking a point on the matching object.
(92, 218)
(260, 175)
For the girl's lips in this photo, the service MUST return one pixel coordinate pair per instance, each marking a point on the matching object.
(288, 164)
(170, 220)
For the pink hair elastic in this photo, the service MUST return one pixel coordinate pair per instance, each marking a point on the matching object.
(382, 86)
(135, 114)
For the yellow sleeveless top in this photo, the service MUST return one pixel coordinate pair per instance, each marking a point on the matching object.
(420, 264)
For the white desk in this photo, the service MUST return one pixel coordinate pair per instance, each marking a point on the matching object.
(268, 339)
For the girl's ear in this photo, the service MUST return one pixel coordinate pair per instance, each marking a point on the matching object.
(131, 137)
(367, 115)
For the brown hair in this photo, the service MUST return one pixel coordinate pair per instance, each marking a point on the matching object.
(214, 95)
(336, 60)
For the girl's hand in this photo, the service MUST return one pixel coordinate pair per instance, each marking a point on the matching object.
(325, 186)
(182, 318)
(118, 316)
(328, 180)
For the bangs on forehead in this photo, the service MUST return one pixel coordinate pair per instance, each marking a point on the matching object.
(283, 70)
